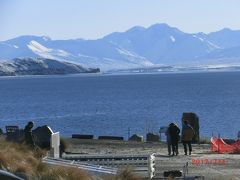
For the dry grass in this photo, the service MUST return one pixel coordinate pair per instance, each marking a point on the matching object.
(60, 172)
(22, 161)
(124, 174)
(17, 158)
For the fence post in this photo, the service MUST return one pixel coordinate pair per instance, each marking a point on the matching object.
(129, 132)
(55, 145)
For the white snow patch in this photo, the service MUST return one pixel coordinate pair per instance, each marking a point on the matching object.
(45, 52)
(211, 45)
(214, 45)
(46, 38)
(86, 56)
(125, 52)
(37, 47)
(63, 53)
(15, 46)
(172, 39)
(201, 39)
(134, 58)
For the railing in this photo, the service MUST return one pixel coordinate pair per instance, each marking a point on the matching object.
(142, 165)
(88, 167)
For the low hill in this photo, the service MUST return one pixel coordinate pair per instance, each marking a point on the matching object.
(40, 66)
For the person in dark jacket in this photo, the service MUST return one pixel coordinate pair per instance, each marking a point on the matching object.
(28, 134)
(187, 136)
(169, 144)
(174, 134)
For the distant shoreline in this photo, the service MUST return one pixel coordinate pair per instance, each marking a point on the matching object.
(117, 74)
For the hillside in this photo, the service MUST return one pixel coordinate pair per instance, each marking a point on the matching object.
(40, 66)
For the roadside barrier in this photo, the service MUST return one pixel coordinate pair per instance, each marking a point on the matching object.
(87, 167)
(142, 165)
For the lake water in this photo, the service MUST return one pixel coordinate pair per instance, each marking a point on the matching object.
(110, 104)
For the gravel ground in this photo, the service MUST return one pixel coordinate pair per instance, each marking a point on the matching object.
(201, 162)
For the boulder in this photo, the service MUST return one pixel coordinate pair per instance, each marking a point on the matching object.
(151, 137)
(193, 120)
(42, 136)
(136, 137)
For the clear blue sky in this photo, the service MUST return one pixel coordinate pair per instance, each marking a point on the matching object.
(90, 19)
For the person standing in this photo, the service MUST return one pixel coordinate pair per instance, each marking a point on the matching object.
(28, 134)
(168, 141)
(174, 134)
(187, 136)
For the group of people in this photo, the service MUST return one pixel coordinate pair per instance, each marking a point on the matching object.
(173, 137)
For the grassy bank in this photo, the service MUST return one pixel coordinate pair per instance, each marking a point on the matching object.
(20, 160)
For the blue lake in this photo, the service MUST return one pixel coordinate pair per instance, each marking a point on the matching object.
(110, 104)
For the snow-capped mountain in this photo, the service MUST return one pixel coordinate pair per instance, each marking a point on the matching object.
(158, 44)
(40, 66)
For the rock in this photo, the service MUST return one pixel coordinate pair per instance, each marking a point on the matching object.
(42, 136)
(152, 137)
(82, 136)
(136, 137)
(172, 173)
(119, 138)
(193, 120)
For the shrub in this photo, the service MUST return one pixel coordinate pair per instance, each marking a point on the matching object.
(68, 173)
(126, 174)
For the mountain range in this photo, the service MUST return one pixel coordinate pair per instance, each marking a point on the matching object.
(156, 45)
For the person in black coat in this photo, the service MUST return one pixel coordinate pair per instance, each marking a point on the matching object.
(28, 134)
(174, 135)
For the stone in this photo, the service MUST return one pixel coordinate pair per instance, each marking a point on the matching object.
(136, 137)
(151, 137)
(193, 120)
(42, 136)
(172, 173)
(119, 138)
(82, 136)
